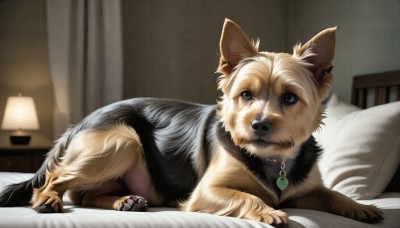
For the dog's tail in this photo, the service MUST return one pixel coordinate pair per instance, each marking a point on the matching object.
(21, 193)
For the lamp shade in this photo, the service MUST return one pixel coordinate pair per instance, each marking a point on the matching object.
(20, 114)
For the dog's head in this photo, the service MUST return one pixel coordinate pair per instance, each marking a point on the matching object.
(272, 102)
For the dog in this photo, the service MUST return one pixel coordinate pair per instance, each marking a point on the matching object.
(246, 156)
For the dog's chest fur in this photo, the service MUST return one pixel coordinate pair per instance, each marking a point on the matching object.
(267, 169)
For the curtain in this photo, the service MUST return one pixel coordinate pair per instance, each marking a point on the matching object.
(85, 55)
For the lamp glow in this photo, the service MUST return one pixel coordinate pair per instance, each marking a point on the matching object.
(20, 114)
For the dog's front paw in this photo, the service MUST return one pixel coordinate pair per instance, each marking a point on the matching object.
(276, 218)
(132, 203)
(366, 213)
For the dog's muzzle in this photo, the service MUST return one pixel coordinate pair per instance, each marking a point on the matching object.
(261, 127)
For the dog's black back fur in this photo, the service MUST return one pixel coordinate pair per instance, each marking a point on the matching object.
(173, 135)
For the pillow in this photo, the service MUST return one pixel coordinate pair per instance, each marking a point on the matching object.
(361, 148)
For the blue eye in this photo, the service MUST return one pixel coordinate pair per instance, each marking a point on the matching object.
(246, 95)
(289, 98)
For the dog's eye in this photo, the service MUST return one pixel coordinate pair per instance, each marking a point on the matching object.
(289, 98)
(246, 95)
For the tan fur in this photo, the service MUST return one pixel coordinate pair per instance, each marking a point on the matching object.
(229, 188)
(271, 82)
(92, 158)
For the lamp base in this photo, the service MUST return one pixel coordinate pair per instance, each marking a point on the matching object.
(20, 139)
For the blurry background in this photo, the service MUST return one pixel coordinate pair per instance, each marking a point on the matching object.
(169, 48)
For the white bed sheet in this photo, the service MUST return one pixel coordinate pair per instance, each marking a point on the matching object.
(75, 216)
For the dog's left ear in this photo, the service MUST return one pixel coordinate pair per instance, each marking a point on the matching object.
(319, 51)
(234, 45)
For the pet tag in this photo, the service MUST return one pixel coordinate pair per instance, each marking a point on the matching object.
(282, 183)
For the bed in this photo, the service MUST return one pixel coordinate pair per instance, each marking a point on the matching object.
(361, 159)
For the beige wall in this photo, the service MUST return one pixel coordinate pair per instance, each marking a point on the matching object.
(24, 63)
(171, 47)
(368, 35)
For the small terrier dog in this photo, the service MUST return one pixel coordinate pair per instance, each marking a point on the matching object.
(246, 156)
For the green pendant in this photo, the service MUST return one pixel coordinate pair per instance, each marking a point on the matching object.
(282, 183)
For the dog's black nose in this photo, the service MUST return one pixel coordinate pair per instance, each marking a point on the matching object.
(261, 127)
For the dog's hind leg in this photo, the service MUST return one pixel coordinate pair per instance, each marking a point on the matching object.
(48, 198)
(112, 194)
(92, 158)
(120, 203)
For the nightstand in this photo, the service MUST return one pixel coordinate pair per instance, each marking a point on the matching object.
(26, 159)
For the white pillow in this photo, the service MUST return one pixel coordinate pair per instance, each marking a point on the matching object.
(361, 148)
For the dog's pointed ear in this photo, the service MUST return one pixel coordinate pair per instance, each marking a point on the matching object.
(319, 51)
(234, 46)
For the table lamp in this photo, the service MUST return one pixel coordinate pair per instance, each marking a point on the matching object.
(20, 114)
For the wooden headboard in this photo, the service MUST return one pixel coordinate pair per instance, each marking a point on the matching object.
(375, 89)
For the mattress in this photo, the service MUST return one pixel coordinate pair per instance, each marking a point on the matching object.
(75, 216)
